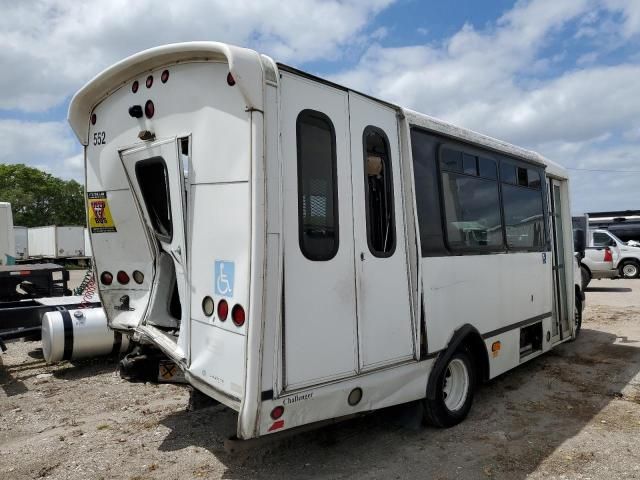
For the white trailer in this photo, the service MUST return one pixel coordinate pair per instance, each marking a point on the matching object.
(7, 241)
(305, 252)
(21, 235)
(56, 241)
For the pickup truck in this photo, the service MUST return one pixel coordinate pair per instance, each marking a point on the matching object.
(606, 256)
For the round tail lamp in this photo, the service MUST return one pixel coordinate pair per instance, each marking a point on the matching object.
(207, 306)
(106, 278)
(223, 310)
(149, 109)
(122, 277)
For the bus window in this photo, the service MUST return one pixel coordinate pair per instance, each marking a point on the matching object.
(471, 204)
(317, 192)
(523, 208)
(381, 235)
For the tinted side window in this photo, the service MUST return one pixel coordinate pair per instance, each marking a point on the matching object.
(601, 239)
(317, 189)
(381, 231)
(471, 205)
(523, 207)
(523, 217)
(424, 150)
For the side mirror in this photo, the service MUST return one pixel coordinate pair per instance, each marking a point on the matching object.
(579, 242)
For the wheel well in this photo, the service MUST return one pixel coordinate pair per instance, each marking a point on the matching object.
(582, 265)
(476, 347)
(629, 259)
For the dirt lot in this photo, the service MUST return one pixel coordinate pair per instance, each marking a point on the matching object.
(573, 413)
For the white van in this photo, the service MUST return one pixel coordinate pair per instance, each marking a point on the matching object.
(305, 252)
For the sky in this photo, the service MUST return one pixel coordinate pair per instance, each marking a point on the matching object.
(558, 77)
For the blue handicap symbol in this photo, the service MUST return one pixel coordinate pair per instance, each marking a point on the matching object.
(223, 278)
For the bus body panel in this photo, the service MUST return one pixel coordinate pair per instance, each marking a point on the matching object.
(316, 330)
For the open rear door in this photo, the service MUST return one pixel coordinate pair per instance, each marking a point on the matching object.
(155, 173)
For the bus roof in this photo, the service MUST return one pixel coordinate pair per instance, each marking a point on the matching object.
(450, 130)
(247, 68)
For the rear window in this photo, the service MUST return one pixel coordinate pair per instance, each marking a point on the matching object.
(154, 186)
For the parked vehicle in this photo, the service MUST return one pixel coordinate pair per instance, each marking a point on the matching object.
(53, 242)
(7, 241)
(625, 258)
(304, 252)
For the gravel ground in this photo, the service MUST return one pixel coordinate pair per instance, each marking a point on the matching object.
(573, 413)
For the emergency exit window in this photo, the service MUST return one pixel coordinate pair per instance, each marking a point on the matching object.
(153, 179)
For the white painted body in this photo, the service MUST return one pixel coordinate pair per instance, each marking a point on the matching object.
(314, 330)
(7, 240)
(21, 235)
(56, 241)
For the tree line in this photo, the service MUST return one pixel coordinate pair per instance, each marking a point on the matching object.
(38, 198)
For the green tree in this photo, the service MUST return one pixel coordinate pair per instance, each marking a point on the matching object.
(38, 198)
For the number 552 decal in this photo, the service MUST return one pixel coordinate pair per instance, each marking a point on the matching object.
(99, 138)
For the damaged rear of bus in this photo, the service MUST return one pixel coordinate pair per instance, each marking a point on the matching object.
(173, 152)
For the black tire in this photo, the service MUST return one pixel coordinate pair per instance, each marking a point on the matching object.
(577, 317)
(586, 277)
(436, 412)
(632, 269)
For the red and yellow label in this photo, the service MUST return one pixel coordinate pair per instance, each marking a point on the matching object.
(100, 219)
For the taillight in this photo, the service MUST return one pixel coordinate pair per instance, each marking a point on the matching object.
(223, 310)
(207, 306)
(277, 412)
(149, 81)
(149, 109)
(138, 276)
(608, 257)
(237, 315)
(134, 86)
(106, 278)
(230, 80)
(122, 277)
(94, 118)
(165, 76)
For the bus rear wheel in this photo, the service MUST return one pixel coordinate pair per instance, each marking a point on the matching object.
(454, 392)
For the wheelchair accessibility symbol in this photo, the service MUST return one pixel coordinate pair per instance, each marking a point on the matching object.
(223, 278)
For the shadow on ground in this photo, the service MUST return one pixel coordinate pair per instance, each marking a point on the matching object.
(518, 420)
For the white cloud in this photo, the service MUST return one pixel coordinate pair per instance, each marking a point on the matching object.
(48, 146)
(497, 81)
(55, 46)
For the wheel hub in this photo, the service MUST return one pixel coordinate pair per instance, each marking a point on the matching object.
(455, 385)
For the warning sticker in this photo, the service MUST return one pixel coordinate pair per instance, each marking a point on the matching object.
(100, 220)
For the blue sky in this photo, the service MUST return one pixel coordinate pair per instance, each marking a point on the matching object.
(560, 77)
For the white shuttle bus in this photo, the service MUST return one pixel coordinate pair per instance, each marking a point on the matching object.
(305, 252)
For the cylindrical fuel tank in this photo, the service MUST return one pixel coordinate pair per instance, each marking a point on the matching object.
(72, 334)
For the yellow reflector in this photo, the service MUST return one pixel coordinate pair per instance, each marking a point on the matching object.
(495, 346)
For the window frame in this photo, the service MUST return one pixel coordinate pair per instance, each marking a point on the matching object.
(302, 115)
(481, 250)
(385, 139)
(546, 246)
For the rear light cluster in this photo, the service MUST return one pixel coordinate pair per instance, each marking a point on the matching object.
(238, 317)
(106, 278)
